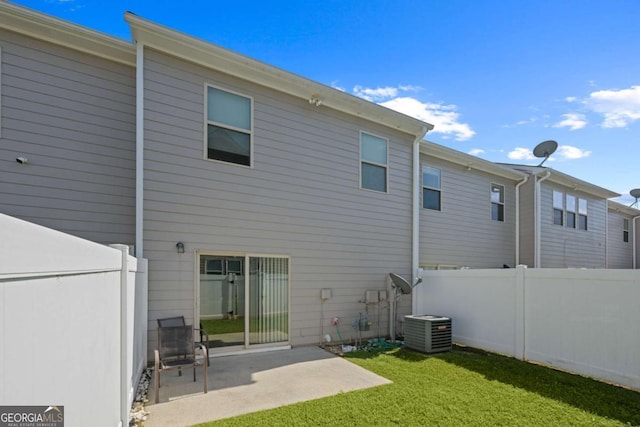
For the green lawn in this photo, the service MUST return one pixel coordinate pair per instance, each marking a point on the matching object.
(459, 388)
(222, 326)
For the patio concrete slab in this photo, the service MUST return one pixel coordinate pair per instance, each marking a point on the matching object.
(253, 382)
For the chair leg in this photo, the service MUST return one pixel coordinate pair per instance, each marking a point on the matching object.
(204, 369)
(156, 385)
(194, 373)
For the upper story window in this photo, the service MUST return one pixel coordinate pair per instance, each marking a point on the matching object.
(558, 207)
(497, 202)
(582, 214)
(431, 188)
(625, 230)
(229, 127)
(571, 211)
(373, 162)
(573, 207)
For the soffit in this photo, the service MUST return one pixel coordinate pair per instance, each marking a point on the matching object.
(432, 149)
(35, 24)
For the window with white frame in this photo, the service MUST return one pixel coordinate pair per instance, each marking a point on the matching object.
(497, 202)
(373, 162)
(571, 211)
(558, 207)
(229, 125)
(431, 188)
(582, 214)
(625, 230)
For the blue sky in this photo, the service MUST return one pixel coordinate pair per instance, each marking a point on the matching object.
(494, 77)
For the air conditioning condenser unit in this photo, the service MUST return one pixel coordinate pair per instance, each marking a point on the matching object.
(427, 333)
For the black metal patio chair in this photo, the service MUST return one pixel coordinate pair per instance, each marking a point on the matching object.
(177, 349)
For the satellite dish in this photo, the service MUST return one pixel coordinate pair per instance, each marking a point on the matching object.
(401, 284)
(635, 193)
(545, 149)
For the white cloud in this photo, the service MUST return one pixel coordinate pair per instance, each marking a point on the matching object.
(520, 153)
(619, 107)
(567, 152)
(445, 118)
(573, 121)
(476, 151)
(564, 152)
(571, 98)
(375, 95)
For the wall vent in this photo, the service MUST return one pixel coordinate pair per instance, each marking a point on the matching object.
(428, 334)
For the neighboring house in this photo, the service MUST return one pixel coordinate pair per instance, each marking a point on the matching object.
(468, 216)
(68, 108)
(622, 236)
(563, 220)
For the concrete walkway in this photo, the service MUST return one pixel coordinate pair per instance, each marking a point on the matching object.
(254, 382)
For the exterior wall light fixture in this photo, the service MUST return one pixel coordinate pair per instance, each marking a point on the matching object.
(180, 247)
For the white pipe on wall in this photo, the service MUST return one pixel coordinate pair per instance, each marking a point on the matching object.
(634, 240)
(536, 224)
(139, 147)
(518, 185)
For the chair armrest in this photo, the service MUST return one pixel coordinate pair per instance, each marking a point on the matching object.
(202, 332)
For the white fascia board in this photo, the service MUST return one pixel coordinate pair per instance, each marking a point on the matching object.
(37, 25)
(431, 149)
(215, 57)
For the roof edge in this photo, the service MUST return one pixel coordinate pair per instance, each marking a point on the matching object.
(458, 157)
(216, 57)
(569, 181)
(44, 27)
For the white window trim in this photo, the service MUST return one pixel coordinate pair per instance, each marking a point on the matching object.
(626, 222)
(503, 203)
(431, 188)
(579, 214)
(361, 161)
(207, 122)
(554, 208)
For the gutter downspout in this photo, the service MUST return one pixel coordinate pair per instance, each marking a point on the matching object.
(139, 148)
(415, 227)
(536, 223)
(415, 231)
(518, 185)
(634, 240)
(606, 234)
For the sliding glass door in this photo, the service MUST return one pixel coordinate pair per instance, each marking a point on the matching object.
(268, 300)
(243, 300)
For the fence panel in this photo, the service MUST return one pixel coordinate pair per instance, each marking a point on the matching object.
(584, 321)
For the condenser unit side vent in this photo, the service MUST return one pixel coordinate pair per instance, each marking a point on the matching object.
(426, 333)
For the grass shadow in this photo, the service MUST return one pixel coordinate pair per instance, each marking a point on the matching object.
(587, 394)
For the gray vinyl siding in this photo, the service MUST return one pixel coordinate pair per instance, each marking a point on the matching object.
(527, 223)
(619, 252)
(463, 233)
(301, 199)
(73, 116)
(563, 247)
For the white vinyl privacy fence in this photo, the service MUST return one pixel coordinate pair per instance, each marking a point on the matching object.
(73, 323)
(584, 321)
